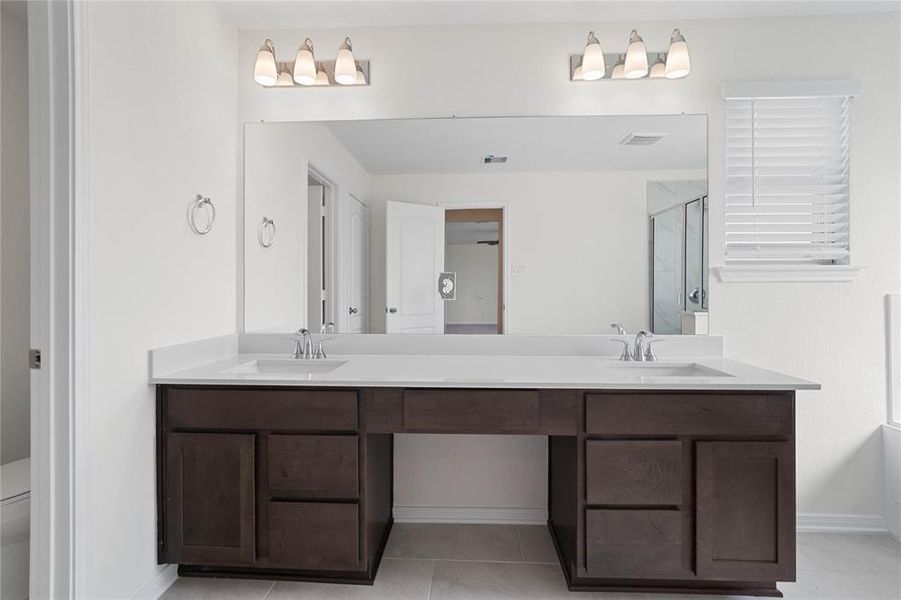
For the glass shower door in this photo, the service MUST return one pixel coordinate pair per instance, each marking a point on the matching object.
(666, 271)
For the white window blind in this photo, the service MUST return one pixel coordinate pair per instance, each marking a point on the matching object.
(787, 189)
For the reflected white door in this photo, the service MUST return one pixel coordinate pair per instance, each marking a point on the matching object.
(358, 292)
(414, 249)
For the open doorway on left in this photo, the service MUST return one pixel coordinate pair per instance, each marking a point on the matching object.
(320, 195)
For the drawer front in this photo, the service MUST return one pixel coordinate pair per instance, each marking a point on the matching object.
(314, 535)
(634, 472)
(689, 414)
(313, 466)
(269, 409)
(477, 411)
(633, 543)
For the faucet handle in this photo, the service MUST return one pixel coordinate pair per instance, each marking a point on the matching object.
(626, 356)
(620, 330)
(649, 353)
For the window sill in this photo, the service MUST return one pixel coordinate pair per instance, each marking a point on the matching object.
(787, 273)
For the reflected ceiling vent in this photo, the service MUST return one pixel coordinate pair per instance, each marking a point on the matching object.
(491, 159)
(642, 139)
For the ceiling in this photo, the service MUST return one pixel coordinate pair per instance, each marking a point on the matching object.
(458, 233)
(270, 15)
(545, 144)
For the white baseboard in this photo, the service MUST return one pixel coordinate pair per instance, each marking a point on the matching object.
(157, 586)
(841, 523)
(470, 514)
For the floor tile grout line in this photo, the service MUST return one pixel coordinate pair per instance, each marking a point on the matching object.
(271, 587)
(431, 580)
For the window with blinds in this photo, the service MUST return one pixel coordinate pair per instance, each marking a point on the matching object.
(787, 196)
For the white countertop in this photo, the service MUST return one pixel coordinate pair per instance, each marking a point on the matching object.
(490, 371)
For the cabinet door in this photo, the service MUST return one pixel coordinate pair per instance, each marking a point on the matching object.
(209, 503)
(746, 511)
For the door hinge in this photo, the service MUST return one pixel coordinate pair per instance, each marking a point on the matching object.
(34, 358)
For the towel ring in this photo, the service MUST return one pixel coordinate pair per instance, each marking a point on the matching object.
(201, 203)
(266, 225)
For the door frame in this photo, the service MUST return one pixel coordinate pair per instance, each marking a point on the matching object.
(506, 235)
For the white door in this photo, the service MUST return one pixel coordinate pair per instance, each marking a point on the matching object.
(358, 292)
(414, 249)
(316, 313)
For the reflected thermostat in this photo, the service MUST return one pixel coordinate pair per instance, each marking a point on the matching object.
(447, 286)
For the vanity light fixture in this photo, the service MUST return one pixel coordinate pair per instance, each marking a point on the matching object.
(619, 69)
(265, 71)
(345, 65)
(593, 66)
(658, 69)
(678, 63)
(305, 64)
(361, 77)
(636, 65)
(284, 75)
(321, 76)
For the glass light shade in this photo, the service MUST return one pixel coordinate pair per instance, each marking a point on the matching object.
(678, 63)
(593, 66)
(361, 78)
(658, 69)
(577, 73)
(265, 71)
(636, 65)
(345, 65)
(619, 70)
(285, 79)
(305, 65)
(322, 77)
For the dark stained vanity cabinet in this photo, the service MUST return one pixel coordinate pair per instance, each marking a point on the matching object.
(668, 491)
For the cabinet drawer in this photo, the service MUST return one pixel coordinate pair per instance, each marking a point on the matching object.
(265, 409)
(477, 411)
(313, 466)
(314, 535)
(633, 543)
(634, 472)
(689, 414)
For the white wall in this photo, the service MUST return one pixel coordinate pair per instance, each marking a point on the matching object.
(161, 128)
(579, 242)
(14, 241)
(831, 333)
(276, 161)
(476, 298)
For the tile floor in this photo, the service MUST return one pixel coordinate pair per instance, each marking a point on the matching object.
(507, 562)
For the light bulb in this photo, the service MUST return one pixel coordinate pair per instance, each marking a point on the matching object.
(678, 63)
(304, 64)
(361, 78)
(577, 73)
(619, 69)
(658, 69)
(265, 71)
(345, 66)
(322, 76)
(636, 65)
(593, 66)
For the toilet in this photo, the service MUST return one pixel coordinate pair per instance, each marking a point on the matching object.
(15, 488)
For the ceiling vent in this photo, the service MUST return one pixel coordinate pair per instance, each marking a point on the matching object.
(642, 139)
(491, 159)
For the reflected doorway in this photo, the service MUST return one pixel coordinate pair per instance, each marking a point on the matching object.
(474, 250)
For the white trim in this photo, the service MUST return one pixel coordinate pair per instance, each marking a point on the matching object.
(157, 586)
(471, 514)
(55, 264)
(840, 523)
(791, 89)
(786, 273)
(893, 358)
(506, 206)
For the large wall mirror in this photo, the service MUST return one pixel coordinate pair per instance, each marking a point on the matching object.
(513, 225)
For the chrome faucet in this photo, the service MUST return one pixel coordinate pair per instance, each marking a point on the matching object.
(326, 328)
(638, 350)
(303, 344)
(620, 330)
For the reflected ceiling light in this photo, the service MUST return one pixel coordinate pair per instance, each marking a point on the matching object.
(678, 63)
(593, 66)
(658, 69)
(345, 65)
(305, 64)
(619, 69)
(321, 76)
(636, 65)
(265, 71)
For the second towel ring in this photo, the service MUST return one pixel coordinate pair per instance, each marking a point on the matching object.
(266, 232)
(198, 204)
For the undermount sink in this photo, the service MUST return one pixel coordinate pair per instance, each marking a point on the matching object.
(288, 366)
(658, 369)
